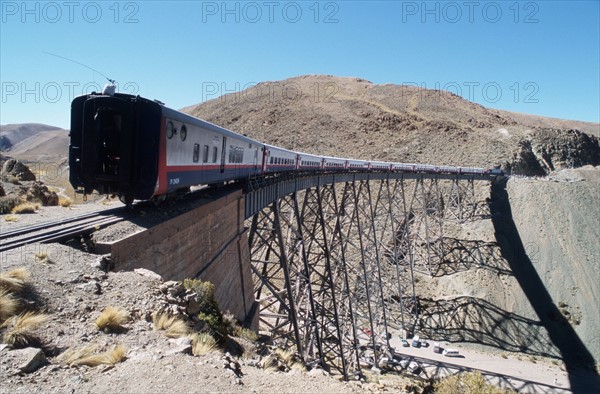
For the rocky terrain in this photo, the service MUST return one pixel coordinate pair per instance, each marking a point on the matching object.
(72, 288)
(19, 186)
(485, 304)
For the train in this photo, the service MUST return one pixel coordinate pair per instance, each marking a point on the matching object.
(139, 149)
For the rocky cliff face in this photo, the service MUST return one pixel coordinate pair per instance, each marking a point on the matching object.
(548, 150)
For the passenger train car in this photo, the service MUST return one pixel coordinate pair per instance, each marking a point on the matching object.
(139, 149)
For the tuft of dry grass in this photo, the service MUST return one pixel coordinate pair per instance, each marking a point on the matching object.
(270, 363)
(282, 360)
(289, 358)
(173, 326)
(11, 218)
(9, 306)
(112, 319)
(203, 343)
(24, 207)
(71, 355)
(64, 202)
(284, 355)
(110, 357)
(20, 330)
(42, 257)
(14, 280)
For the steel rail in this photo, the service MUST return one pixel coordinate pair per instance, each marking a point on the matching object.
(60, 232)
(45, 225)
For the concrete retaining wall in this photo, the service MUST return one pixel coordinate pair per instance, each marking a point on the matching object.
(208, 242)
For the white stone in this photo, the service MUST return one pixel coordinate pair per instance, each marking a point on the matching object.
(147, 273)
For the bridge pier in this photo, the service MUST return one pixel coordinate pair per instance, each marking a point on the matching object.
(335, 263)
(209, 242)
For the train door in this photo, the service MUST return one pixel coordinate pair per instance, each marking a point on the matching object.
(255, 158)
(265, 159)
(298, 157)
(108, 127)
(223, 150)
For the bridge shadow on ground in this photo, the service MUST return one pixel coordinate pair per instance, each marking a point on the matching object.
(434, 370)
(474, 320)
(463, 255)
(572, 350)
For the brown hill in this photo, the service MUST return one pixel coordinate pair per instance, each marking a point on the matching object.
(34, 142)
(400, 123)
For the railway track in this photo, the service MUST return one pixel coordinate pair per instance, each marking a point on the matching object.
(60, 230)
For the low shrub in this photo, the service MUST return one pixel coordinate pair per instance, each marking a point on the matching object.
(246, 333)
(210, 313)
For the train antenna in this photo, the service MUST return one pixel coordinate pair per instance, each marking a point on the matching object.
(109, 88)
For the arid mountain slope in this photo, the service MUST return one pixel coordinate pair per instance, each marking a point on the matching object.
(557, 221)
(353, 117)
(34, 142)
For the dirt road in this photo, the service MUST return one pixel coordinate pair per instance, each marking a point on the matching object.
(524, 376)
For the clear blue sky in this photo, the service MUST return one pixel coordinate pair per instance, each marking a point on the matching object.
(538, 57)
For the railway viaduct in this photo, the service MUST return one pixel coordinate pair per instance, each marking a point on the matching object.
(325, 262)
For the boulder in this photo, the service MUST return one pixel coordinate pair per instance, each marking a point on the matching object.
(39, 192)
(18, 170)
(27, 360)
(181, 345)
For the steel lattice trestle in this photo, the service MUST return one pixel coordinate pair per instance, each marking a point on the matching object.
(335, 263)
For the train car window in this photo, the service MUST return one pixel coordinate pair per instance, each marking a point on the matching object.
(196, 153)
(215, 154)
(170, 130)
(183, 133)
(205, 154)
